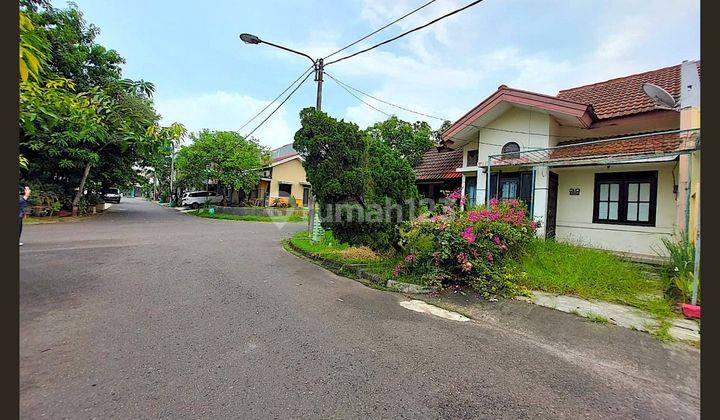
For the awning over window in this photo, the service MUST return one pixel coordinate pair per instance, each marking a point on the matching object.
(605, 150)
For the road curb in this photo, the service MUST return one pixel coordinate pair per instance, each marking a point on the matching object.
(355, 272)
(346, 270)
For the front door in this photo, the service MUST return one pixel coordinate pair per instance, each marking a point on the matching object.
(551, 206)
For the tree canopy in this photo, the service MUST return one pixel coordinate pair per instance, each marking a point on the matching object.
(411, 141)
(225, 156)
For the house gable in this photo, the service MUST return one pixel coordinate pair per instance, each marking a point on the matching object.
(567, 112)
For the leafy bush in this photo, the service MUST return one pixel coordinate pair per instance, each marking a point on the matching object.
(468, 247)
(679, 272)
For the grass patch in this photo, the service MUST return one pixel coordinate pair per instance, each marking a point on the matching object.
(329, 248)
(663, 331)
(249, 218)
(29, 220)
(597, 318)
(567, 269)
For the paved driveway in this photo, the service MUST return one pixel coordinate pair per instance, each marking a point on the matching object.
(145, 312)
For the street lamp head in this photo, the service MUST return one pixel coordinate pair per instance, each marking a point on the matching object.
(250, 39)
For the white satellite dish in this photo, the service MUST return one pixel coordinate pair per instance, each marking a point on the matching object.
(659, 95)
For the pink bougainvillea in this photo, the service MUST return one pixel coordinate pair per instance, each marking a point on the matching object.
(456, 246)
(469, 235)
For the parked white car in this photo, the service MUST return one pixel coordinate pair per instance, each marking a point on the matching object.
(112, 195)
(196, 199)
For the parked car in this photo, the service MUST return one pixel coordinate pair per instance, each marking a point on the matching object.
(112, 195)
(195, 199)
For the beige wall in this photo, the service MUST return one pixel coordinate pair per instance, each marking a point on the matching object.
(575, 212)
(289, 172)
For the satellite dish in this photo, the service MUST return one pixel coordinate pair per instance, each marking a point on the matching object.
(659, 95)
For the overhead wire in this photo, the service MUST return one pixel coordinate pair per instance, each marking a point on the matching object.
(405, 33)
(276, 98)
(380, 29)
(404, 108)
(279, 105)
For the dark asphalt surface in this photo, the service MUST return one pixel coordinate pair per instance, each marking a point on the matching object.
(145, 312)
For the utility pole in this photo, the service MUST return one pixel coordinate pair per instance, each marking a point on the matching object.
(319, 80)
(319, 67)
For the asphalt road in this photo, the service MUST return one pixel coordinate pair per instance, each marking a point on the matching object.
(146, 312)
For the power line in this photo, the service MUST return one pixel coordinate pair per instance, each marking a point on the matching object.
(345, 85)
(276, 98)
(406, 32)
(383, 101)
(380, 29)
(357, 97)
(278, 107)
(385, 113)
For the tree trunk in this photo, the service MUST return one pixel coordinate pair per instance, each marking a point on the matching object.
(79, 193)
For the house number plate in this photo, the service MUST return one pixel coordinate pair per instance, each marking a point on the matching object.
(574, 191)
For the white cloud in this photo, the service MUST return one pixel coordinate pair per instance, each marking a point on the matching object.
(443, 71)
(227, 111)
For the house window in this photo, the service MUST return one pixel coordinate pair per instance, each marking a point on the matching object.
(508, 188)
(626, 198)
(511, 150)
(472, 158)
(285, 190)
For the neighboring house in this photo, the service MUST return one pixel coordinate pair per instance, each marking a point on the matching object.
(602, 165)
(284, 178)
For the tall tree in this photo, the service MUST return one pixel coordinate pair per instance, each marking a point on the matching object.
(364, 187)
(85, 116)
(411, 141)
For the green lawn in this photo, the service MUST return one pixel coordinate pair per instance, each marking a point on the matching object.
(249, 218)
(330, 249)
(567, 269)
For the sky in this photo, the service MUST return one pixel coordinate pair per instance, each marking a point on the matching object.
(205, 77)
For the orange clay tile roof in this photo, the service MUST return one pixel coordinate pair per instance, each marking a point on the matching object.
(436, 165)
(624, 96)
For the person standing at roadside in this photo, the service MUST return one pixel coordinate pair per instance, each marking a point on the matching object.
(23, 208)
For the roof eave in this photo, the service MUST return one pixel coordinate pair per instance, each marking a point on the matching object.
(583, 113)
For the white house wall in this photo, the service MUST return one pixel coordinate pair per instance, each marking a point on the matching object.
(514, 125)
(575, 212)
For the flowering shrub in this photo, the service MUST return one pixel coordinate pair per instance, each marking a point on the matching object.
(467, 247)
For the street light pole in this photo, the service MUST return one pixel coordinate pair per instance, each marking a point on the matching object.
(319, 67)
(318, 64)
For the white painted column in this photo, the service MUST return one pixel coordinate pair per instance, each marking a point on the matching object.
(540, 198)
(462, 188)
(481, 184)
(481, 187)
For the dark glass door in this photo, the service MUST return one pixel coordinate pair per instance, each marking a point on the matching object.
(551, 206)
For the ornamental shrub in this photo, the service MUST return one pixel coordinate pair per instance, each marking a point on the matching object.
(451, 246)
(363, 187)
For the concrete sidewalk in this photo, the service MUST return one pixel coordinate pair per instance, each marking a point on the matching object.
(621, 315)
